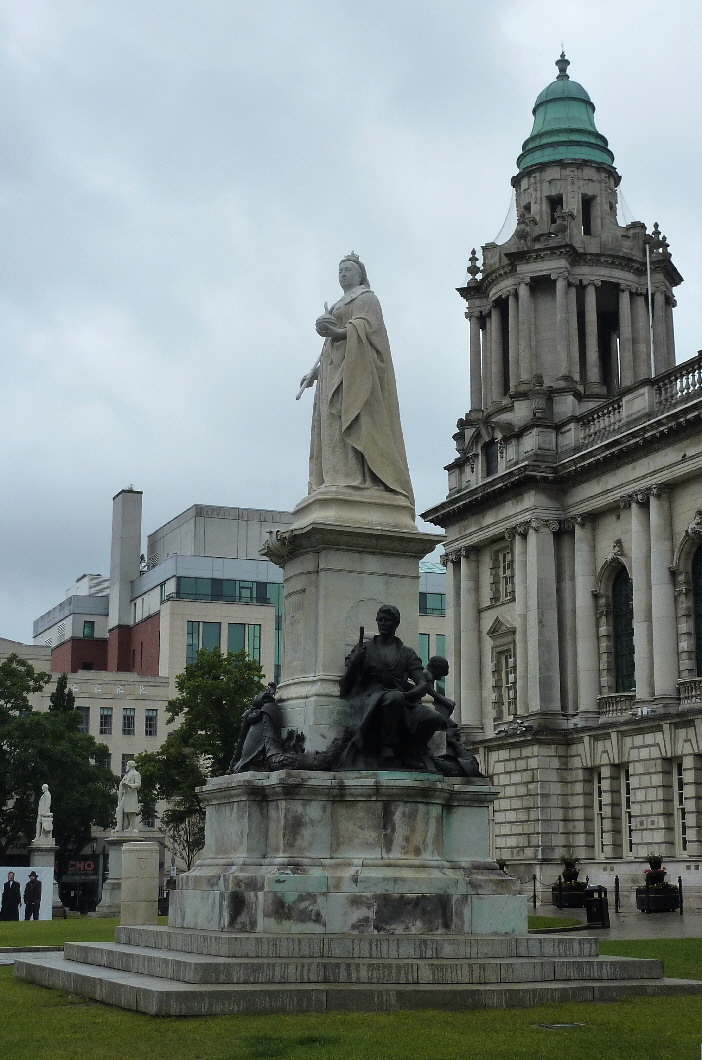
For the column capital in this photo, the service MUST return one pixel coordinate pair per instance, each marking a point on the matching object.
(660, 489)
(640, 496)
(623, 287)
(474, 313)
(560, 274)
(524, 281)
(583, 519)
(591, 283)
(450, 556)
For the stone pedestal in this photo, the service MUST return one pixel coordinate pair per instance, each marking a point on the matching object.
(110, 903)
(358, 853)
(347, 552)
(139, 893)
(43, 856)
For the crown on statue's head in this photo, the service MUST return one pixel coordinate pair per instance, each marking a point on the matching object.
(353, 256)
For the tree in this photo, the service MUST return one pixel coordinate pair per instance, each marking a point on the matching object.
(213, 693)
(37, 747)
(62, 697)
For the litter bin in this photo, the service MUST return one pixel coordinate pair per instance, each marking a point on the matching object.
(597, 907)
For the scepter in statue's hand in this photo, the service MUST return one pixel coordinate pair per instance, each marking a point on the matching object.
(310, 378)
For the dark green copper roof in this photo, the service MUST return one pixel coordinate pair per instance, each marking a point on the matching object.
(564, 125)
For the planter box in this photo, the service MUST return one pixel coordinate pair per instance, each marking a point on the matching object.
(569, 899)
(657, 902)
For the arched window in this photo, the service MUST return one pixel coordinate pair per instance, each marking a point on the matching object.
(623, 631)
(490, 458)
(697, 606)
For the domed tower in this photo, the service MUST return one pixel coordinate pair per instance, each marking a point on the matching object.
(561, 309)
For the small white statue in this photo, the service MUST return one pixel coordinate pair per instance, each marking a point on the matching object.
(128, 804)
(45, 818)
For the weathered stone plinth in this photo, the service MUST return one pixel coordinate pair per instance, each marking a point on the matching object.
(110, 903)
(336, 578)
(360, 853)
(139, 892)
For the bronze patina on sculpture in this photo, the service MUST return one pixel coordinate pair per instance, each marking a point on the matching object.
(389, 726)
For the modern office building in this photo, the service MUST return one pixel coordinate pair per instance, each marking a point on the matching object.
(574, 522)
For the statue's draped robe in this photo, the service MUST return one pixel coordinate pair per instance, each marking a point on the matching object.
(356, 432)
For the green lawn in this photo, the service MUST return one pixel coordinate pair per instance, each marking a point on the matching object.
(540, 922)
(56, 932)
(38, 1024)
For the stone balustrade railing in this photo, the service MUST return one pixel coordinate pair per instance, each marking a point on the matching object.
(616, 703)
(690, 690)
(601, 422)
(679, 383)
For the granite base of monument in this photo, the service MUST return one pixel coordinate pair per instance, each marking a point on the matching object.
(356, 853)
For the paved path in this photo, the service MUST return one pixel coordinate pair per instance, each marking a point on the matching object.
(632, 924)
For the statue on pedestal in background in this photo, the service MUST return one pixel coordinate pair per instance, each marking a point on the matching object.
(356, 433)
(45, 818)
(128, 802)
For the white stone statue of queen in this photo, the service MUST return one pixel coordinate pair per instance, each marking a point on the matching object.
(356, 433)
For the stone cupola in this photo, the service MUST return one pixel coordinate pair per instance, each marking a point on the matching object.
(559, 313)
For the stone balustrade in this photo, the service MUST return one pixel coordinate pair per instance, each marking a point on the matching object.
(601, 423)
(616, 703)
(690, 691)
(679, 384)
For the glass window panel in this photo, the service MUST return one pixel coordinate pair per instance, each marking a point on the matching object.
(228, 589)
(261, 593)
(192, 642)
(89, 629)
(697, 606)
(422, 603)
(148, 818)
(211, 635)
(216, 590)
(84, 723)
(623, 631)
(441, 645)
(106, 721)
(125, 758)
(128, 721)
(187, 588)
(247, 592)
(424, 648)
(150, 722)
(236, 637)
(254, 648)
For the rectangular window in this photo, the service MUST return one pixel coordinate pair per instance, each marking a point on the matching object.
(432, 603)
(86, 666)
(424, 648)
(554, 201)
(599, 811)
(163, 592)
(106, 721)
(680, 822)
(84, 723)
(628, 837)
(254, 643)
(586, 203)
(247, 592)
(150, 722)
(88, 629)
(236, 637)
(193, 642)
(148, 817)
(106, 761)
(125, 758)
(128, 721)
(504, 687)
(441, 650)
(501, 575)
(211, 635)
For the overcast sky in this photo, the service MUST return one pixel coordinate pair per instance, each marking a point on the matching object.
(178, 180)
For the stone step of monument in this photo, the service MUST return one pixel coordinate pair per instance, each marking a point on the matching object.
(347, 947)
(167, 997)
(198, 968)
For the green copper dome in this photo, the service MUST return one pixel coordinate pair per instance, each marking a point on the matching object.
(564, 125)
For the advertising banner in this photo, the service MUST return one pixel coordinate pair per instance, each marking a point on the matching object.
(45, 877)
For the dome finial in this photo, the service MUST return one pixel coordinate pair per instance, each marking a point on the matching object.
(562, 65)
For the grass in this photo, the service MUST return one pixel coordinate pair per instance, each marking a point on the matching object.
(39, 1024)
(56, 932)
(540, 922)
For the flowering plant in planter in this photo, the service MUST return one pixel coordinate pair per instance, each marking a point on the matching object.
(655, 876)
(569, 876)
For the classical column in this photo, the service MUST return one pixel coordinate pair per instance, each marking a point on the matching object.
(498, 371)
(520, 599)
(663, 616)
(542, 623)
(513, 339)
(453, 625)
(471, 691)
(626, 348)
(476, 384)
(487, 353)
(525, 370)
(573, 337)
(641, 578)
(587, 645)
(660, 337)
(640, 336)
(565, 598)
(562, 358)
(670, 331)
(592, 349)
